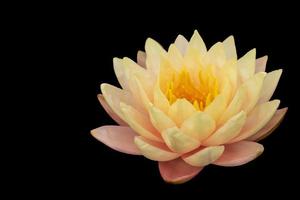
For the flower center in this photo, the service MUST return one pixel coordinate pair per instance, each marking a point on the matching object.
(200, 91)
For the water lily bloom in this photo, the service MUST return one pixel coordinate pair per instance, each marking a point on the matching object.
(189, 107)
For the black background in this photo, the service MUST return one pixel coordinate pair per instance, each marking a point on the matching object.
(74, 47)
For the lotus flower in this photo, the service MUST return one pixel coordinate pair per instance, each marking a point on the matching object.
(189, 107)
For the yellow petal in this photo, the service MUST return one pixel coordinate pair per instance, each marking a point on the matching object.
(197, 42)
(175, 57)
(154, 150)
(154, 52)
(216, 107)
(181, 43)
(121, 73)
(246, 65)
(269, 85)
(160, 120)
(260, 64)
(228, 131)
(204, 156)
(159, 98)
(141, 94)
(199, 126)
(270, 126)
(181, 110)
(141, 58)
(257, 119)
(113, 96)
(178, 141)
(230, 49)
(140, 123)
(216, 55)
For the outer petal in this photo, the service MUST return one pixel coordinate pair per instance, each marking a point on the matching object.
(179, 142)
(230, 49)
(181, 43)
(111, 113)
(154, 150)
(204, 156)
(269, 85)
(140, 123)
(141, 58)
(199, 126)
(228, 131)
(271, 125)
(177, 171)
(160, 120)
(239, 153)
(181, 110)
(257, 119)
(260, 64)
(119, 138)
(197, 42)
(246, 65)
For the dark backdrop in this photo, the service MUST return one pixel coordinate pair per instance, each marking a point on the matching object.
(75, 47)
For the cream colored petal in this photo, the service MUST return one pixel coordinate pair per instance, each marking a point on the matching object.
(199, 126)
(140, 123)
(111, 113)
(254, 87)
(154, 53)
(216, 55)
(228, 131)
(197, 42)
(166, 73)
(179, 142)
(246, 65)
(229, 73)
(121, 72)
(154, 150)
(181, 110)
(204, 156)
(113, 96)
(269, 85)
(159, 98)
(140, 94)
(270, 127)
(181, 43)
(260, 64)
(217, 107)
(229, 46)
(175, 57)
(160, 120)
(257, 119)
(141, 58)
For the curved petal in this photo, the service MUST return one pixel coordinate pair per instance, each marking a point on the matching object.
(199, 126)
(160, 120)
(159, 99)
(181, 43)
(175, 57)
(177, 171)
(269, 85)
(228, 131)
(216, 55)
(197, 43)
(141, 58)
(270, 127)
(109, 111)
(140, 123)
(119, 138)
(154, 52)
(239, 153)
(260, 64)
(204, 156)
(229, 46)
(154, 150)
(246, 65)
(257, 119)
(179, 142)
(181, 110)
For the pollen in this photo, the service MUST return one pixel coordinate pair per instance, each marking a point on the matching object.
(200, 91)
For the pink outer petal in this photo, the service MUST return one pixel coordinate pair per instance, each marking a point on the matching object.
(119, 138)
(177, 171)
(260, 65)
(270, 127)
(141, 58)
(109, 111)
(239, 153)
